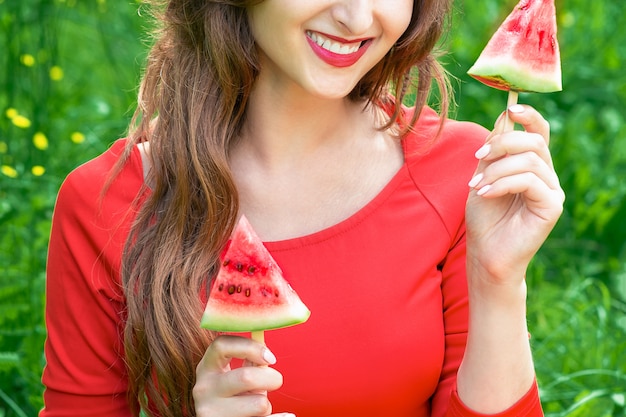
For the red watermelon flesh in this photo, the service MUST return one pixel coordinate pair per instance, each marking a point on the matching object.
(523, 54)
(249, 292)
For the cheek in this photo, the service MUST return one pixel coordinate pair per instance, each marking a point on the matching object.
(404, 18)
(399, 15)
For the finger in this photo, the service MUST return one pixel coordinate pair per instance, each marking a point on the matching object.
(224, 348)
(544, 201)
(244, 405)
(248, 380)
(530, 119)
(513, 143)
(528, 162)
(240, 406)
(214, 369)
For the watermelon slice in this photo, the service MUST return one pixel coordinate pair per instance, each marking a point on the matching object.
(250, 293)
(523, 54)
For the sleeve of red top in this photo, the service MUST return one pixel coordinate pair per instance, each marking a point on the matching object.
(455, 148)
(528, 406)
(455, 313)
(85, 373)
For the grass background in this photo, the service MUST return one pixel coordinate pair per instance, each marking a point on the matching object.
(68, 75)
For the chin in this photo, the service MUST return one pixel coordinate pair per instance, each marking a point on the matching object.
(331, 91)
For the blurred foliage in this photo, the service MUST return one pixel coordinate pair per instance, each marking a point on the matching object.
(68, 76)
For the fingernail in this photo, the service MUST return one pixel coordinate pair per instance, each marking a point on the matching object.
(474, 181)
(483, 190)
(483, 151)
(268, 356)
(516, 108)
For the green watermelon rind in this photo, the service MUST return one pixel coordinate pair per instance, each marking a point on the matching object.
(264, 300)
(297, 313)
(523, 54)
(502, 74)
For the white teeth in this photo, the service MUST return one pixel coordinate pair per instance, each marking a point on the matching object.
(332, 46)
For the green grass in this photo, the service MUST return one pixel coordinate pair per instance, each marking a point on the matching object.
(68, 73)
(579, 344)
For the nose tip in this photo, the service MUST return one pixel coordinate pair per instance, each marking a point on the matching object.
(355, 16)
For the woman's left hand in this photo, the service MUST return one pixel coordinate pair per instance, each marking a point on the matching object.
(516, 198)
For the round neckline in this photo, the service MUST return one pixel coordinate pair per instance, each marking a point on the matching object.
(346, 224)
(342, 226)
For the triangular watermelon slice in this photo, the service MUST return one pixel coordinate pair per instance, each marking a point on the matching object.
(523, 54)
(249, 293)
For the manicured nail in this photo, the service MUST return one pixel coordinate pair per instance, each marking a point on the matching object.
(516, 108)
(483, 151)
(483, 190)
(268, 356)
(474, 181)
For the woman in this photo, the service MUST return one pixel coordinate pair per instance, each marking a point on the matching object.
(283, 111)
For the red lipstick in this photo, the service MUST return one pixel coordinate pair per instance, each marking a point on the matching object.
(336, 59)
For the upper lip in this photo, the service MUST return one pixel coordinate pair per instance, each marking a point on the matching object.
(335, 43)
(340, 39)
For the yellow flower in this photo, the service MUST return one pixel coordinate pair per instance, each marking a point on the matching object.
(40, 141)
(38, 170)
(56, 73)
(21, 121)
(567, 19)
(9, 171)
(77, 137)
(28, 60)
(4, 148)
(11, 113)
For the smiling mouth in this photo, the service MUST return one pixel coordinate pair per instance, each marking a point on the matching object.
(334, 46)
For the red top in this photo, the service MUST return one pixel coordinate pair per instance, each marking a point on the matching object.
(386, 288)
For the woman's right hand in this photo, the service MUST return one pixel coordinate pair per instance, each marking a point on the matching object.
(241, 392)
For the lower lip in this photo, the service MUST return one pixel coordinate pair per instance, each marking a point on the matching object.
(337, 60)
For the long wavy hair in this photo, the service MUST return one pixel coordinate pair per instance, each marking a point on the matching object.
(191, 106)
